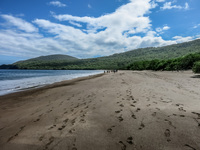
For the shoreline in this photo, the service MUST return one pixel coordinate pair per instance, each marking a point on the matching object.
(35, 79)
(32, 90)
(127, 110)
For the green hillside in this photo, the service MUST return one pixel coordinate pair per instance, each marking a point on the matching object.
(48, 58)
(116, 61)
(43, 62)
(190, 61)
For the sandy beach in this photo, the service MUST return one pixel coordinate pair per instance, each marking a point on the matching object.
(127, 110)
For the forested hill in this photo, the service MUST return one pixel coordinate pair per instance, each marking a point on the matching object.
(57, 57)
(116, 61)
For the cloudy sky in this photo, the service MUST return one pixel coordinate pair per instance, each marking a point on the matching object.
(93, 28)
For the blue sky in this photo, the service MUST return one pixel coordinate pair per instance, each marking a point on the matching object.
(93, 28)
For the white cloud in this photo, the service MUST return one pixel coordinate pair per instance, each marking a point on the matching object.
(168, 5)
(158, 29)
(75, 24)
(153, 4)
(19, 23)
(27, 44)
(109, 33)
(164, 28)
(126, 17)
(196, 26)
(57, 3)
(187, 6)
(160, 0)
(104, 35)
(180, 39)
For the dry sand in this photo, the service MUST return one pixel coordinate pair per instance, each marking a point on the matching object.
(122, 111)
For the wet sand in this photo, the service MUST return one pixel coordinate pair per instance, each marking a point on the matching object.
(128, 110)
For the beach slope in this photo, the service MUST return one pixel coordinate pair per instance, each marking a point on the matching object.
(127, 110)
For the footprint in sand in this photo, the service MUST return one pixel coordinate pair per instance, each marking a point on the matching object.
(20, 130)
(71, 131)
(41, 138)
(121, 105)
(74, 146)
(166, 101)
(190, 147)
(65, 112)
(167, 134)
(130, 140)
(62, 127)
(134, 102)
(158, 108)
(141, 126)
(132, 98)
(120, 118)
(82, 120)
(118, 111)
(138, 109)
(51, 139)
(173, 115)
(86, 107)
(53, 126)
(73, 121)
(179, 105)
(198, 114)
(133, 116)
(132, 105)
(181, 109)
(49, 111)
(154, 114)
(197, 122)
(176, 115)
(76, 106)
(110, 129)
(123, 146)
(170, 123)
(37, 120)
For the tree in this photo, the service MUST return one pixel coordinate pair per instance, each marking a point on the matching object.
(196, 67)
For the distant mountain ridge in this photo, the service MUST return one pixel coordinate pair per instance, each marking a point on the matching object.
(115, 61)
(55, 57)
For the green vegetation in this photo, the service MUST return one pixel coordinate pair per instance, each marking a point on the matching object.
(190, 61)
(134, 59)
(196, 67)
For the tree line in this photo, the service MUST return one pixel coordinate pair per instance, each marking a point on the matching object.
(190, 61)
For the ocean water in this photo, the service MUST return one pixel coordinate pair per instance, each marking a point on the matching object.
(15, 80)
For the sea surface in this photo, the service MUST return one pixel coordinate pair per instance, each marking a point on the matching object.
(16, 80)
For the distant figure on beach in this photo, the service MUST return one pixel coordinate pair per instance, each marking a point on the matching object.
(115, 71)
(109, 71)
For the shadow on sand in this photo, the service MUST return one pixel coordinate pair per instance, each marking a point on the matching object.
(195, 76)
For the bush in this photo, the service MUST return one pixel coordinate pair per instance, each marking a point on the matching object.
(196, 67)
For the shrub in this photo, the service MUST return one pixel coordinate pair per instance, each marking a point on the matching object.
(196, 67)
